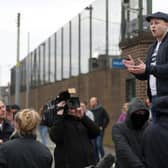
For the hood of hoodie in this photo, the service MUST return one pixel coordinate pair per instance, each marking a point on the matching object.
(136, 105)
(160, 105)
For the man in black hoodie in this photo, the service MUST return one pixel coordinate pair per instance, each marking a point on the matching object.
(156, 136)
(128, 135)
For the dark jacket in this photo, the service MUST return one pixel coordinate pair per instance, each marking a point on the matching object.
(156, 136)
(128, 140)
(6, 130)
(72, 138)
(101, 117)
(24, 152)
(159, 70)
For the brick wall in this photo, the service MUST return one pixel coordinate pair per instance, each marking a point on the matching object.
(108, 85)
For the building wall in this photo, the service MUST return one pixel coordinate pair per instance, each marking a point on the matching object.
(108, 85)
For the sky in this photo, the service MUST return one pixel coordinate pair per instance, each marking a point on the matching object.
(41, 18)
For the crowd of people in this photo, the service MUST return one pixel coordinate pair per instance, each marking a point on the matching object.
(139, 135)
(78, 136)
(141, 142)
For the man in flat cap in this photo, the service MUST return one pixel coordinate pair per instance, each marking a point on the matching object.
(155, 69)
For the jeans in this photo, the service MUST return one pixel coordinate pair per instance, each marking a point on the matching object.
(43, 133)
(99, 146)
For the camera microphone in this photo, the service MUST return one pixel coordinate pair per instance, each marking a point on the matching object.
(106, 162)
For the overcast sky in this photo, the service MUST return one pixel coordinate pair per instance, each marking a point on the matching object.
(41, 18)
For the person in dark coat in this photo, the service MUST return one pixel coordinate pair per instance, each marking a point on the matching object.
(6, 128)
(155, 145)
(24, 151)
(101, 119)
(71, 133)
(156, 67)
(128, 136)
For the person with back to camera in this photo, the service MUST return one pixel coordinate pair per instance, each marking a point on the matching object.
(24, 151)
(71, 132)
(128, 136)
(155, 142)
(156, 67)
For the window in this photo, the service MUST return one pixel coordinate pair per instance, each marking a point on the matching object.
(130, 89)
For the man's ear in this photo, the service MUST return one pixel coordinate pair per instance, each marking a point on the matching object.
(167, 25)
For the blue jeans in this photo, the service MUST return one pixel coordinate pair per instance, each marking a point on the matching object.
(43, 133)
(99, 146)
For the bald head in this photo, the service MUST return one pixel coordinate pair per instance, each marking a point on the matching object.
(93, 102)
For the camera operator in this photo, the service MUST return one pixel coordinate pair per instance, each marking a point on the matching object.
(71, 132)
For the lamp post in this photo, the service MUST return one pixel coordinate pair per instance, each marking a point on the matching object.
(28, 71)
(17, 83)
(107, 27)
(90, 8)
(79, 44)
(70, 48)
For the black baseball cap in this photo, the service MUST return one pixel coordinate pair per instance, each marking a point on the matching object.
(158, 15)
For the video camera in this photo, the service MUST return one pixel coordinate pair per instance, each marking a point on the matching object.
(51, 107)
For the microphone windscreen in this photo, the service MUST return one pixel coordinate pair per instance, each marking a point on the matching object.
(106, 162)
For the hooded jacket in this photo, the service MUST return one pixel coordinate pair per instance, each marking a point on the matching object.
(128, 139)
(156, 136)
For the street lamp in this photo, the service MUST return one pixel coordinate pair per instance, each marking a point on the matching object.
(90, 8)
(17, 84)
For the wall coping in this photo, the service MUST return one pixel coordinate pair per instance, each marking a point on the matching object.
(142, 38)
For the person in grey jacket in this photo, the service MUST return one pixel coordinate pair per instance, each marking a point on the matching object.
(128, 136)
(155, 69)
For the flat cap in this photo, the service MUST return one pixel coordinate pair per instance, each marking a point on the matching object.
(158, 15)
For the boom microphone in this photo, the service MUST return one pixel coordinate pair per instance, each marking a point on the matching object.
(106, 162)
